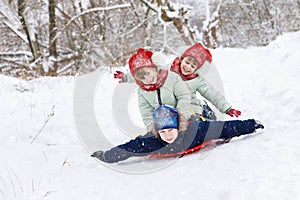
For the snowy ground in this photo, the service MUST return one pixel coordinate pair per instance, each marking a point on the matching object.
(49, 127)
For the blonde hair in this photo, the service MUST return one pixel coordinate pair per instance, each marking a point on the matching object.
(141, 72)
(191, 59)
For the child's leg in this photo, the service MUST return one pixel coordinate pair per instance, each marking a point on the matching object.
(229, 129)
(208, 113)
(237, 128)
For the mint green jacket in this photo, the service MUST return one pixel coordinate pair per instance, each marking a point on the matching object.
(199, 84)
(205, 89)
(174, 92)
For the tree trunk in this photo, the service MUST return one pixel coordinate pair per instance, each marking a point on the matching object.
(179, 25)
(30, 33)
(52, 29)
(52, 36)
(179, 22)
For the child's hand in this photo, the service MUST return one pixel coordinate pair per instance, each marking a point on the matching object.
(234, 113)
(99, 155)
(119, 75)
(193, 118)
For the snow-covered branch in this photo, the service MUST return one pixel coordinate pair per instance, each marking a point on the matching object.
(98, 9)
(150, 6)
(15, 30)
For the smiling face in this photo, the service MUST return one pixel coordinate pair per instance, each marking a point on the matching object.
(168, 135)
(146, 75)
(188, 65)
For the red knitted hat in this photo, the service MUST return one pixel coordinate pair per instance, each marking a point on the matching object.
(198, 52)
(142, 58)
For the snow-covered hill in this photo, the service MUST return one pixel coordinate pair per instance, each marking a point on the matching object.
(49, 126)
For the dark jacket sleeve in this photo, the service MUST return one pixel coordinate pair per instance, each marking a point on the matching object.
(140, 146)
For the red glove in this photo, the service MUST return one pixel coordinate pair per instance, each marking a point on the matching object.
(119, 75)
(234, 113)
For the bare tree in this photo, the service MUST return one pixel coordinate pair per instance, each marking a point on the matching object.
(177, 18)
(83, 35)
(211, 24)
(29, 29)
(52, 38)
(52, 29)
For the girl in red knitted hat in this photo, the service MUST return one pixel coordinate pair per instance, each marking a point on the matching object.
(187, 67)
(157, 86)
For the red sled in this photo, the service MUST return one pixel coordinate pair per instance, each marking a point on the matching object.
(206, 144)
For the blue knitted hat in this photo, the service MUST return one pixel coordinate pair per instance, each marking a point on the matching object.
(164, 117)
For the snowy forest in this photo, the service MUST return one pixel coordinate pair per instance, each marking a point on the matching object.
(57, 38)
(60, 100)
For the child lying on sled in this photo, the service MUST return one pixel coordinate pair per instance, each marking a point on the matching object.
(169, 135)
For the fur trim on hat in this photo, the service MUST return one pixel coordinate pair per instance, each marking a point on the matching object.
(159, 60)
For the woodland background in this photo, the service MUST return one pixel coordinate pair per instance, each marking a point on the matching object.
(59, 38)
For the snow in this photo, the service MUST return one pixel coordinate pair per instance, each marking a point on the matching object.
(5, 10)
(50, 126)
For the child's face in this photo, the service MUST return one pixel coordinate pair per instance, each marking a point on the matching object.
(168, 135)
(188, 66)
(149, 76)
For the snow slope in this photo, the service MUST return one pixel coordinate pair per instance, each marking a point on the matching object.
(49, 127)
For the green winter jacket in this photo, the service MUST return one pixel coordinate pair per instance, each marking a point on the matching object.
(199, 84)
(205, 89)
(174, 92)
(128, 78)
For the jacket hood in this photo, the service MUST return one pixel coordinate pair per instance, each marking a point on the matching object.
(198, 52)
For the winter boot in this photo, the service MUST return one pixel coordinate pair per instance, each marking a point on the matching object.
(208, 113)
(258, 125)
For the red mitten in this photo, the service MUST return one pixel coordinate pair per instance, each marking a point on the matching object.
(234, 113)
(119, 75)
